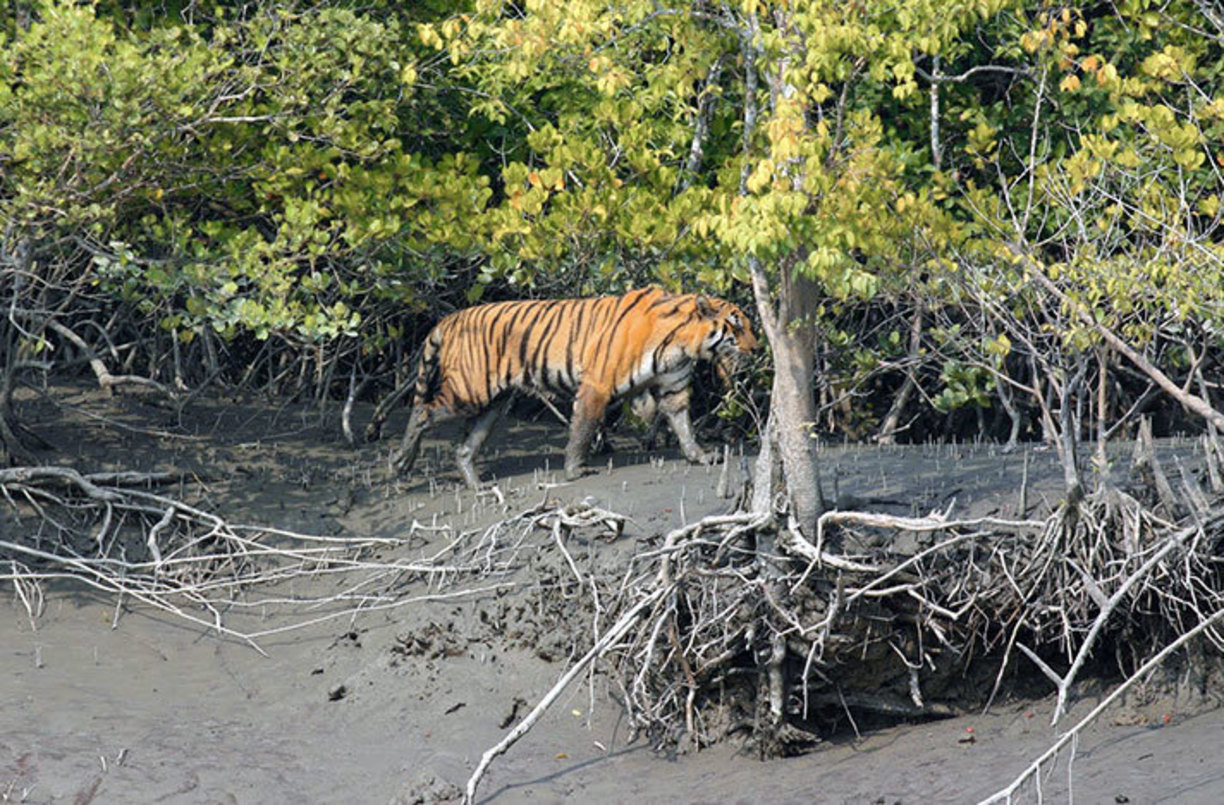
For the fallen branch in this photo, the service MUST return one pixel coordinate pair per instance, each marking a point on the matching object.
(1005, 794)
(106, 380)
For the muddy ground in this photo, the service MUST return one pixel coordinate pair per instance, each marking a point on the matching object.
(398, 705)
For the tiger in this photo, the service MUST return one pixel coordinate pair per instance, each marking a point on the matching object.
(643, 344)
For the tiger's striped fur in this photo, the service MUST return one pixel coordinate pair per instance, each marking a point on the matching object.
(599, 349)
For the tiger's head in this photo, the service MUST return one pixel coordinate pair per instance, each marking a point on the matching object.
(727, 335)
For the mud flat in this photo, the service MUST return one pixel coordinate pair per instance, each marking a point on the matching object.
(107, 701)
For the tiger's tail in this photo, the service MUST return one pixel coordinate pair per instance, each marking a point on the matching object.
(423, 390)
(427, 364)
(406, 391)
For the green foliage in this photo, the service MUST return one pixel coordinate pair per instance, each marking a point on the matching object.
(963, 386)
(308, 172)
(248, 176)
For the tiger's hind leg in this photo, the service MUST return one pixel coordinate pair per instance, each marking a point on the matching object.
(478, 431)
(589, 407)
(422, 418)
(674, 405)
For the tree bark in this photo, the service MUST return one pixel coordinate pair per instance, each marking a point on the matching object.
(792, 409)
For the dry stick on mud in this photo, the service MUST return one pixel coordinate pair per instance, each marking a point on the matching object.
(89, 574)
(1006, 794)
(618, 630)
(817, 555)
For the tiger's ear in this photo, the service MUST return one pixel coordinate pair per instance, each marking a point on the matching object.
(704, 307)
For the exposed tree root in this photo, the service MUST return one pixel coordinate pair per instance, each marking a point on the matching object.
(718, 643)
(723, 643)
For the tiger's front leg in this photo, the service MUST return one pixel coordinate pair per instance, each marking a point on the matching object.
(589, 407)
(478, 431)
(674, 406)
